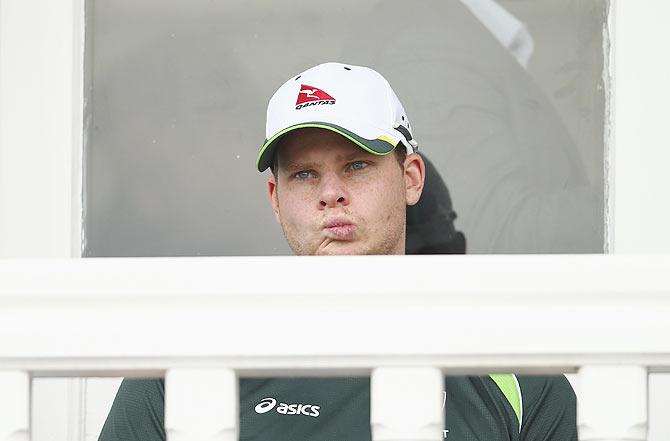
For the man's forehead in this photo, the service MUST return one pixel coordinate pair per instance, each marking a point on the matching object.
(307, 146)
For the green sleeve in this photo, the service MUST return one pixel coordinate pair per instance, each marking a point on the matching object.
(549, 409)
(137, 413)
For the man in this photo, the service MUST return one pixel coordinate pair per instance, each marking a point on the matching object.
(344, 168)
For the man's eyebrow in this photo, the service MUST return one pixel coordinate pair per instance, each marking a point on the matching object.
(357, 154)
(296, 165)
(290, 165)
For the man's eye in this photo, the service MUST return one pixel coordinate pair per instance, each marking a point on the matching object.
(302, 175)
(358, 165)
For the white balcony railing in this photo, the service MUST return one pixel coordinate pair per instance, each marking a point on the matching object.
(197, 319)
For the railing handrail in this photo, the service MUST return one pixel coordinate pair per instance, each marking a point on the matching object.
(333, 316)
(613, 276)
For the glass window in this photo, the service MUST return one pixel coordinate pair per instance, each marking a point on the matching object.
(507, 100)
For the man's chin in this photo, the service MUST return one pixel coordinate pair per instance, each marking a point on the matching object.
(340, 248)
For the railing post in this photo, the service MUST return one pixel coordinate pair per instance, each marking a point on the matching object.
(14, 406)
(406, 404)
(201, 405)
(613, 403)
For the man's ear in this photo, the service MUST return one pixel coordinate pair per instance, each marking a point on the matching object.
(415, 173)
(274, 198)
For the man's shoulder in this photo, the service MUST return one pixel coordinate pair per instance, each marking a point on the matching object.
(550, 408)
(524, 405)
(152, 385)
(148, 391)
(137, 412)
(536, 388)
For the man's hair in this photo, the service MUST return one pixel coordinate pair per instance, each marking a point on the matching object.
(399, 152)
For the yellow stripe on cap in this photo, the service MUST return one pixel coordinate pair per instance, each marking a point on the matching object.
(387, 139)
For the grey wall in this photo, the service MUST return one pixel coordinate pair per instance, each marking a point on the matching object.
(178, 90)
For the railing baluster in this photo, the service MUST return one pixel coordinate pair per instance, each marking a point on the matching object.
(613, 403)
(14, 406)
(201, 405)
(406, 404)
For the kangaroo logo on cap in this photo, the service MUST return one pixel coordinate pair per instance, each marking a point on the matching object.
(310, 96)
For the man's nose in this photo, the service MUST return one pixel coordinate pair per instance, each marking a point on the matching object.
(333, 192)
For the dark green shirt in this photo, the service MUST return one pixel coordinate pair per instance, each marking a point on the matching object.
(492, 408)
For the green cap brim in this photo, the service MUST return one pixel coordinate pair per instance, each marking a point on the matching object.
(379, 146)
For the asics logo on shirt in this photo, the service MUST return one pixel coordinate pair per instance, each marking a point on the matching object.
(267, 404)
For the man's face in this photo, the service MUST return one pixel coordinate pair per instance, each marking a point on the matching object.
(332, 197)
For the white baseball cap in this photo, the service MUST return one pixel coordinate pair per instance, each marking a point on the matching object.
(354, 101)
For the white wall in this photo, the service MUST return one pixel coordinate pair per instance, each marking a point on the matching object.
(41, 48)
(640, 152)
(641, 148)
